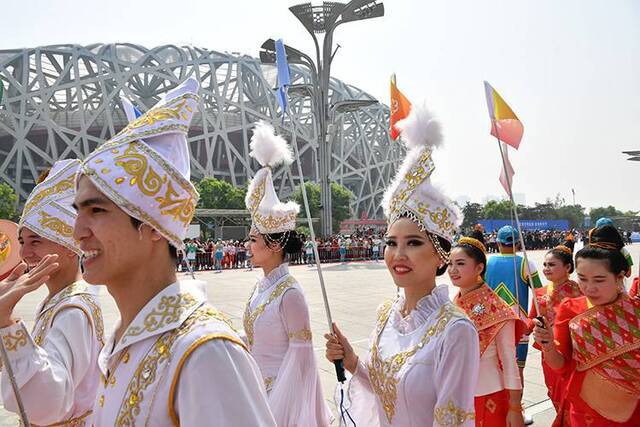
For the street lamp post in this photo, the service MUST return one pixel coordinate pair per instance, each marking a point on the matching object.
(324, 19)
(294, 56)
(634, 156)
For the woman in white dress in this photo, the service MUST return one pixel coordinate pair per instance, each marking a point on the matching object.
(276, 318)
(422, 365)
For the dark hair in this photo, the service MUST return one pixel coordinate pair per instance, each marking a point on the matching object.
(605, 243)
(446, 245)
(565, 256)
(478, 235)
(474, 253)
(173, 252)
(291, 240)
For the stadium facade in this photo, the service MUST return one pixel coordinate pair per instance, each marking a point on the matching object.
(63, 101)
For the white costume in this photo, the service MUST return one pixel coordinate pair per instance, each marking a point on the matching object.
(56, 365)
(422, 369)
(179, 362)
(276, 318)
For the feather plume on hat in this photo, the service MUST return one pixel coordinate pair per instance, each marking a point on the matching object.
(268, 213)
(411, 192)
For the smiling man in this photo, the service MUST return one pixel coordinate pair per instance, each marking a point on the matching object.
(55, 365)
(172, 358)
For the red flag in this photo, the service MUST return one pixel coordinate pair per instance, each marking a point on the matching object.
(506, 184)
(400, 107)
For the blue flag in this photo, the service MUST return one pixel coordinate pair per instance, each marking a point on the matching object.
(284, 80)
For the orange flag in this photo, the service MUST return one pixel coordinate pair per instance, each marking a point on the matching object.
(505, 125)
(400, 107)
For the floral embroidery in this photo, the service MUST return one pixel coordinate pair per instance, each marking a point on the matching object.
(56, 225)
(147, 371)
(383, 372)
(168, 310)
(451, 415)
(301, 335)
(249, 317)
(12, 342)
(67, 184)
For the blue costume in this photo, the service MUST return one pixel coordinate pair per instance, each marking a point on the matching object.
(512, 288)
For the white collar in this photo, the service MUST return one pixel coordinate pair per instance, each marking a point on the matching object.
(167, 310)
(426, 306)
(273, 277)
(76, 288)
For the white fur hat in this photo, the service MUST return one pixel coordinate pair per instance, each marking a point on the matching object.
(411, 193)
(268, 213)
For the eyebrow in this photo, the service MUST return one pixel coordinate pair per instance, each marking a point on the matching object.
(412, 236)
(89, 202)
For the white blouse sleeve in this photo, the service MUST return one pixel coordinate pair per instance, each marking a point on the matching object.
(456, 376)
(52, 370)
(228, 376)
(296, 397)
(506, 346)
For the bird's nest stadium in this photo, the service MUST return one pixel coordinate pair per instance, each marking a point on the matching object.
(63, 101)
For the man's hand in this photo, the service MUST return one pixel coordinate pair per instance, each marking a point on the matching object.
(19, 283)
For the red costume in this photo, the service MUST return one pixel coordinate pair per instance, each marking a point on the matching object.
(601, 347)
(490, 315)
(549, 299)
(633, 292)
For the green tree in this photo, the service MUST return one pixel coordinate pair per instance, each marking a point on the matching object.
(219, 194)
(497, 209)
(472, 214)
(609, 211)
(573, 213)
(341, 197)
(8, 202)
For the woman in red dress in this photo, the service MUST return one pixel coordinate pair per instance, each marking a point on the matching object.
(596, 340)
(557, 266)
(499, 389)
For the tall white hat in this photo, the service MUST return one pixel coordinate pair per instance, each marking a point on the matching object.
(145, 169)
(411, 194)
(48, 211)
(268, 213)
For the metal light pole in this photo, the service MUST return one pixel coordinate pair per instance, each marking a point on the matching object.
(634, 156)
(324, 19)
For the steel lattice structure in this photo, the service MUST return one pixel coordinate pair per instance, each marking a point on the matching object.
(63, 101)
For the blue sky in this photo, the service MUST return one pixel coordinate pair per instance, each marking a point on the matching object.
(570, 69)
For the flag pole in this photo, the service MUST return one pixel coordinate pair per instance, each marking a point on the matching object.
(339, 364)
(14, 385)
(515, 214)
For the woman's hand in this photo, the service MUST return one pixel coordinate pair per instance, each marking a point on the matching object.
(338, 347)
(543, 335)
(19, 283)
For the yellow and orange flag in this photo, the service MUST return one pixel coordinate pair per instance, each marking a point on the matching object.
(400, 107)
(505, 125)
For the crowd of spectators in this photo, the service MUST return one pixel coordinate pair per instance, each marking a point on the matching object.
(533, 240)
(359, 245)
(219, 255)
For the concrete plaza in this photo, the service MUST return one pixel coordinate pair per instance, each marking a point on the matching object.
(355, 290)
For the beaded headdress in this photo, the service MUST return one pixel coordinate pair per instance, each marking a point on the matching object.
(411, 193)
(48, 211)
(145, 169)
(268, 213)
(472, 242)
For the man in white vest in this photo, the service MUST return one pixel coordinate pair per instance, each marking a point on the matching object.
(173, 359)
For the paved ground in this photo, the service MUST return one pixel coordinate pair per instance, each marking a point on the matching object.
(355, 290)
